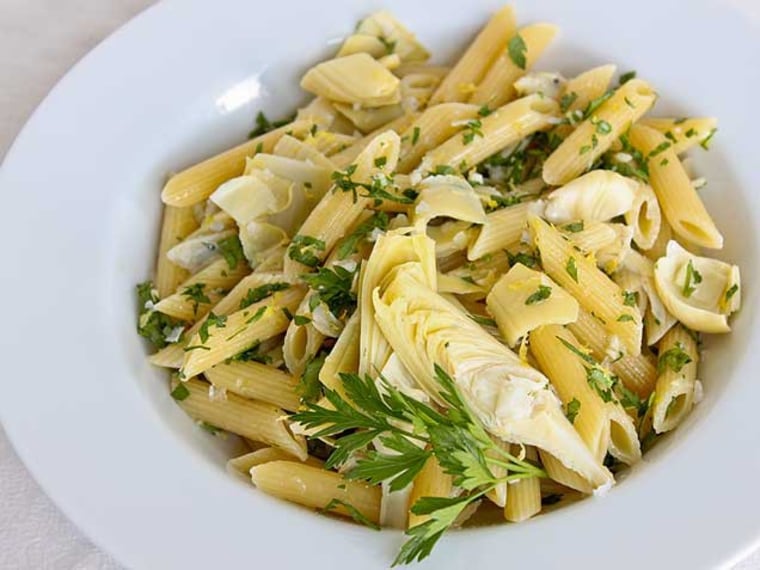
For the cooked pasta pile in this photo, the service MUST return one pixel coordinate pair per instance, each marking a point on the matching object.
(440, 291)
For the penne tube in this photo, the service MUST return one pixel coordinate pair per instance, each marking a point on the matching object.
(256, 381)
(677, 388)
(683, 134)
(301, 341)
(638, 373)
(337, 211)
(523, 495)
(172, 355)
(503, 229)
(474, 63)
(502, 127)
(595, 135)
(316, 488)
(562, 474)
(243, 464)
(680, 202)
(580, 91)
(645, 217)
(430, 129)
(497, 87)
(228, 336)
(195, 297)
(344, 356)
(568, 377)
(594, 290)
(431, 481)
(177, 224)
(248, 418)
(195, 184)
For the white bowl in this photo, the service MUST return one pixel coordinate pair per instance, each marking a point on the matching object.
(93, 421)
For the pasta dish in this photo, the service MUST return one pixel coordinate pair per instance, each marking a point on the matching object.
(442, 295)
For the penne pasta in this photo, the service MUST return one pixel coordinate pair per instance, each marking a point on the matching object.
(680, 203)
(243, 464)
(317, 489)
(256, 381)
(195, 184)
(524, 496)
(683, 134)
(474, 63)
(431, 481)
(677, 388)
(502, 127)
(523, 49)
(248, 418)
(177, 224)
(594, 291)
(502, 229)
(595, 134)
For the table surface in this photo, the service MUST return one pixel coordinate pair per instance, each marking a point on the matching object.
(39, 41)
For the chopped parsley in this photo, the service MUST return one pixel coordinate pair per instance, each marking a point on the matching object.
(415, 135)
(484, 111)
(302, 250)
(572, 409)
(333, 288)
(261, 292)
(543, 292)
(232, 250)
(660, 148)
(525, 258)
(692, 279)
(264, 125)
(309, 387)
(180, 392)
(626, 77)
(301, 320)
(472, 130)
(390, 45)
(567, 100)
(253, 354)
(574, 227)
(674, 358)
(352, 511)
(444, 169)
(381, 161)
(212, 320)
(602, 126)
(705, 143)
(625, 318)
(154, 326)
(731, 292)
(572, 269)
(379, 220)
(196, 294)
(483, 321)
(517, 50)
(630, 298)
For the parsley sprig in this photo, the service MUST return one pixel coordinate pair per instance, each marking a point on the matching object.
(332, 287)
(413, 431)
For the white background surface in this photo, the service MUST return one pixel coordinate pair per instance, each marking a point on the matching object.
(39, 41)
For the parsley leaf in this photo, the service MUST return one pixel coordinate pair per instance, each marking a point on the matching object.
(309, 386)
(212, 320)
(517, 49)
(264, 125)
(353, 512)
(567, 100)
(630, 298)
(625, 318)
(543, 292)
(333, 287)
(261, 292)
(180, 392)
(572, 409)
(195, 293)
(232, 250)
(574, 227)
(302, 250)
(472, 130)
(152, 325)
(731, 292)
(626, 77)
(379, 220)
(572, 269)
(692, 279)
(415, 135)
(674, 358)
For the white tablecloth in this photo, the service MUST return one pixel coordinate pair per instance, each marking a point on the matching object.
(39, 41)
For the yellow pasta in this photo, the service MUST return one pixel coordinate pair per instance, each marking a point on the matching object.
(638, 373)
(242, 464)
(195, 297)
(337, 211)
(497, 86)
(502, 230)
(680, 203)
(316, 488)
(256, 381)
(344, 356)
(524, 495)
(684, 134)
(431, 481)
(198, 182)
(474, 63)
(251, 419)
(227, 337)
(434, 126)
(177, 224)
(596, 134)
(502, 127)
(677, 388)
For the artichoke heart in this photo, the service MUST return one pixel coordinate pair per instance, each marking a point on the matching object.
(699, 291)
(356, 78)
(598, 196)
(512, 400)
